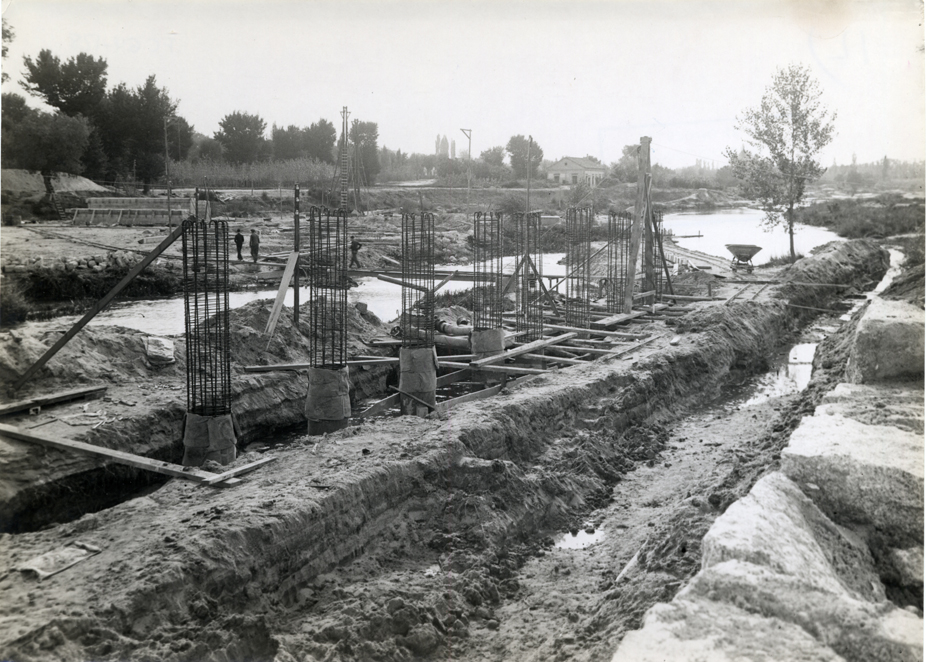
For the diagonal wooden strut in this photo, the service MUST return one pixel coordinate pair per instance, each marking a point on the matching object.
(100, 305)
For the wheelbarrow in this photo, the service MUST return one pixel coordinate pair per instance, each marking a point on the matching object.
(742, 256)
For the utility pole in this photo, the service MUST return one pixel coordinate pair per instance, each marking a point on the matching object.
(469, 166)
(296, 248)
(636, 232)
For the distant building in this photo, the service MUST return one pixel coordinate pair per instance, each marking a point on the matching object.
(572, 170)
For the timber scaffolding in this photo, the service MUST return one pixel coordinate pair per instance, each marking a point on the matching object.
(573, 320)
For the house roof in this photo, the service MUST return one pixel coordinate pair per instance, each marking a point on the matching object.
(572, 162)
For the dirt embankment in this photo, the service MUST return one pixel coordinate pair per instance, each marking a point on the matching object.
(409, 538)
(144, 406)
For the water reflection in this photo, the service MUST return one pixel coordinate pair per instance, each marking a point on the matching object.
(791, 377)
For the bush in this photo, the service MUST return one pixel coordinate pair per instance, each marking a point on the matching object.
(782, 260)
(884, 216)
(13, 304)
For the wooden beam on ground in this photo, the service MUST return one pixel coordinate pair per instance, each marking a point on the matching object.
(281, 296)
(452, 378)
(447, 405)
(596, 350)
(100, 305)
(680, 297)
(523, 349)
(506, 369)
(380, 407)
(593, 332)
(237, 471)
(627, 350)
(555, 359)
(415, 398)
(120, 457)
(45, 400)
(737, 293)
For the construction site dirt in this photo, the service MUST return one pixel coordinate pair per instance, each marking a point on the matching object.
(399, 538)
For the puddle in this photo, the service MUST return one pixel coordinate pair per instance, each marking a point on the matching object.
(580, 540)
(791, 377)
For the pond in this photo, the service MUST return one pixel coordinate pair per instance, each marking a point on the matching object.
(742, 226)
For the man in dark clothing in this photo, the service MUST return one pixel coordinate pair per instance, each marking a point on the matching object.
(239, 242)
(354, 247)
(255, 245)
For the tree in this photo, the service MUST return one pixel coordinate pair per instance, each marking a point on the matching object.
(8, 36)
(42, 142)
(494, 156)
(518, 148)
(625, 170)
(288, 143)
(75, 88)
(364, 136)
(787, 131)
(242, 137)
(319, 141)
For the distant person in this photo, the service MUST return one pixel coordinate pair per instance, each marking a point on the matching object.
(355, 246)
(255, 245)
(239, 242)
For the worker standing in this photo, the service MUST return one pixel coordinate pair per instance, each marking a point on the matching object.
(255, 245)
(239, 242)
(355, 246)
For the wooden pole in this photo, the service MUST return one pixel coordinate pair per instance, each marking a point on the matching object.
(296, 250)
(636, 232)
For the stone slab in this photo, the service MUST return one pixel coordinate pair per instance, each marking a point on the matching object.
(777, 527)
(860, 474)
(706, 631)
(890, 405)
(887, 343)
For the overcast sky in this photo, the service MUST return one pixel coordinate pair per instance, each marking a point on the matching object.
(580, 76)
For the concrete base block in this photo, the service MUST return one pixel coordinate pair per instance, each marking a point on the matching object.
(883, 405)
(860, 474)
(888, 343)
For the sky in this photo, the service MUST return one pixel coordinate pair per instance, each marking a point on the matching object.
(582, 77)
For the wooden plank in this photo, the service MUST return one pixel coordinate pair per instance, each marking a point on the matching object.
(120, 457)
(507, 369)
(596, 350)
(396, 281)
(523, 349)
(415, 398)
(555, 359)
(447, 405)
(281, 295)
(594, 332)
(625, 317)
(45, 400)
(100, 305)
(633, 348)
(452, 378)
(381, 406)
(237, 471)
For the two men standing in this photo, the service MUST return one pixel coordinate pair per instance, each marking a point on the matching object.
(254, 244)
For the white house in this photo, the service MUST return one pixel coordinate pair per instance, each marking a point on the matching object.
(572, 170)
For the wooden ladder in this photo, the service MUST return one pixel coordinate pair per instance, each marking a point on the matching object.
(59, 208)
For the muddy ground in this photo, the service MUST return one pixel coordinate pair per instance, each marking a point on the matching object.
(405, 538)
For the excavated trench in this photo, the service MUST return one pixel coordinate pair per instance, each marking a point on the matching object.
(388, 540)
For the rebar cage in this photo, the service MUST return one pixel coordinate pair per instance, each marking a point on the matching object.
(528, 293)
(417, 321)
(487, 270)
(578, 266)
(611, 283)
(328, 286)
(205, 306)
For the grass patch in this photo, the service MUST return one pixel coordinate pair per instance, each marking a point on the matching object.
(886, 215)
(14, 307)
(44, 285)
(782, 260)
